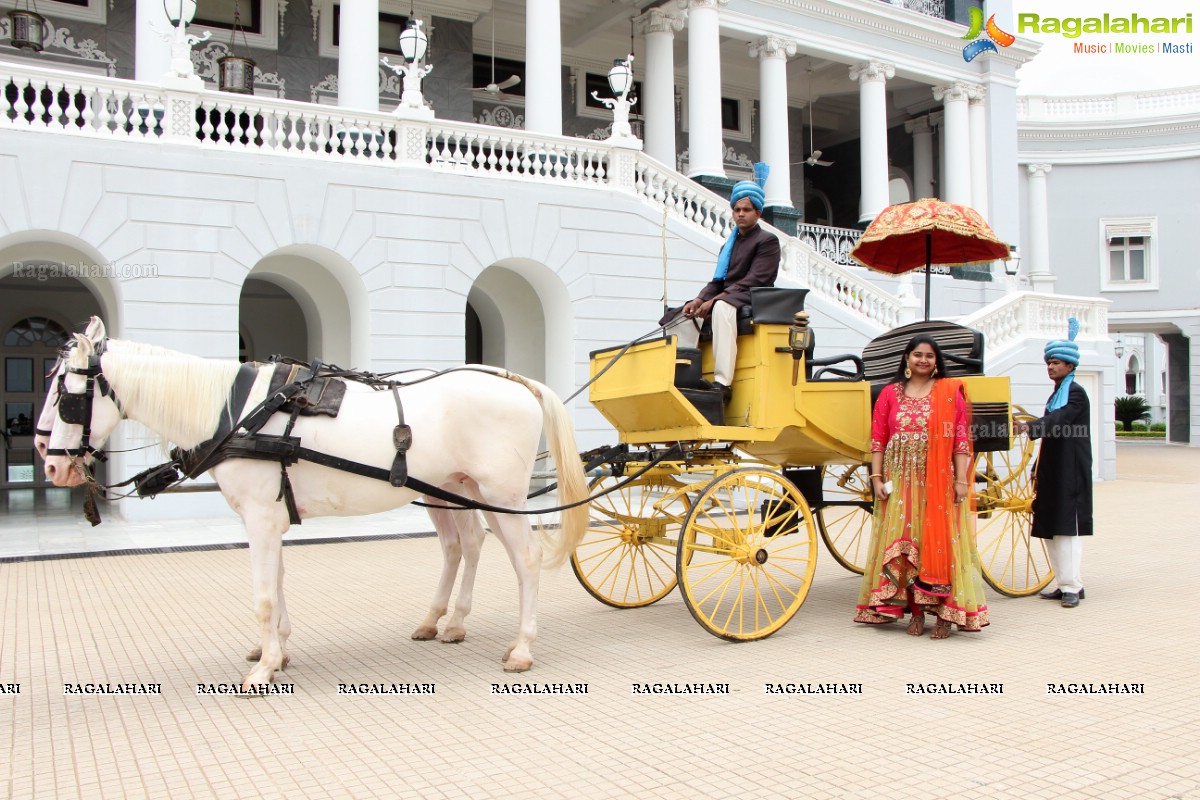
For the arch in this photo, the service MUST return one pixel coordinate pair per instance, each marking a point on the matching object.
(525, 313)
(900, 187)
(332, 296)
(50, 257)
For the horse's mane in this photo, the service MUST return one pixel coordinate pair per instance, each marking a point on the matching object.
(179, 396)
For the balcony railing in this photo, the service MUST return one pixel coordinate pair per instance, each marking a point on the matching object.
(37, 98)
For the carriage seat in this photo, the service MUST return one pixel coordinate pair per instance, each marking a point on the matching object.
(962, 350)
(769, 305)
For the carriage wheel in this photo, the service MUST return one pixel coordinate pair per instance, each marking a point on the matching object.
(1014, 563)
(844, 519)
(626, 558)
(747, 555)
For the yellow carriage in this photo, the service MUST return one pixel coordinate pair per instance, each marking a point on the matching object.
(727, 502)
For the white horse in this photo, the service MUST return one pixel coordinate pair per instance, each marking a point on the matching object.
(475, 434)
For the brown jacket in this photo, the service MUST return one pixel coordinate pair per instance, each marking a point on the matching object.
(753, 263)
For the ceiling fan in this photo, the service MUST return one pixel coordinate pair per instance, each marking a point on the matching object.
(814, 157)
(512, 80)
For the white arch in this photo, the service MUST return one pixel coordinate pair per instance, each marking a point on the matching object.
(78, 258)
(534, 310)
(331, 294)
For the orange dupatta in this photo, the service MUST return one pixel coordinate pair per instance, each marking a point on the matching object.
(940, 508)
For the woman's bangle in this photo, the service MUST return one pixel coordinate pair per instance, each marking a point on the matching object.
(875, 475)
(961, 483)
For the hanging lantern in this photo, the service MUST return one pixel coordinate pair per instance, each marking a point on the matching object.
(235, 73)
(28, 28)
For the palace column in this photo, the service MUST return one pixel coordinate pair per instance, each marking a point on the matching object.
(956, 143)
(872, 77)
(358, 55)
(151, 53)
(658, 26)
(705, 144)
(772, 53)
(922, 135)
(977, 119)
(1041, 279)
(543, 67)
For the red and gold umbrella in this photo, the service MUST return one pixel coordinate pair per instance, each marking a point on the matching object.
(908, 236)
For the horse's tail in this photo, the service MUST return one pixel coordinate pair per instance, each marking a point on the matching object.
(572, 484)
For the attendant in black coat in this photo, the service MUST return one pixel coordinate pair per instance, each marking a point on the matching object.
(1062, 506)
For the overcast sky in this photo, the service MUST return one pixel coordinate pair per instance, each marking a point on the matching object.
(1058, 70)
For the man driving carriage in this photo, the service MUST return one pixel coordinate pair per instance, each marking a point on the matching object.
(749, 259)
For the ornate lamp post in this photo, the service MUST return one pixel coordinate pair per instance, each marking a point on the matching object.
(413, 46)
(180, 13)
(620, 80)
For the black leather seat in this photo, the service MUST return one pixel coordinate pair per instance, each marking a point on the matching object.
(962, 350)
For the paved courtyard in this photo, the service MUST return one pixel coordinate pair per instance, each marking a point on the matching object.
(183, 619)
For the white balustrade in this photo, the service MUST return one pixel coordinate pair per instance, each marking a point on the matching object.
(1015, 318)
(55, 100)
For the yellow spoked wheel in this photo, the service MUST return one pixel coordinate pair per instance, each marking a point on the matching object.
(1014, 563)
(747, 554)
(844, 518)
(626, 558)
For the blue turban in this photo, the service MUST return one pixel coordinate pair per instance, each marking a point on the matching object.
(1067, 351)
(753, 191)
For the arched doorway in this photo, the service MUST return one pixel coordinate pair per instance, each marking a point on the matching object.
(506, 323)
(28, 350)
(272, 322)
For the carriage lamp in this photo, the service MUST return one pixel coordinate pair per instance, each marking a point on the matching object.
(1013, 265)
(26, 27)
(620, 80)
(799, 340)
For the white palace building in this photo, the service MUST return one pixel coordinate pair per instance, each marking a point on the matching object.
(494, 220)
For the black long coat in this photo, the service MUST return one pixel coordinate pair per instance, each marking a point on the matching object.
(1063, 504)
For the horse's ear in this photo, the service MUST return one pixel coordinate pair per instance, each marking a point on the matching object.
(82, 350)
(95, 330)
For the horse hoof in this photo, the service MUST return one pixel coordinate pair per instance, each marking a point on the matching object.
(254, 655)
(286, 660)
(453, 635)
(425, 633)
(518, 664)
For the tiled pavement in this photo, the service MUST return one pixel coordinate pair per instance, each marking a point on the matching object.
(183, 618)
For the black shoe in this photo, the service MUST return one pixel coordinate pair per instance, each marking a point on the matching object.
(1058, 595)
(1070, 600)
(726, 391)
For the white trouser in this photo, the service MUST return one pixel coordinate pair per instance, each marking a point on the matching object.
(1065, 553)
(724, 328)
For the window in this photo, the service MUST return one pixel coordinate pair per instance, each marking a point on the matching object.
(1128, 254)
(735, 117)
(220, 14)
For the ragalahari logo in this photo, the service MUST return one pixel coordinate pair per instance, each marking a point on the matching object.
(994, 37)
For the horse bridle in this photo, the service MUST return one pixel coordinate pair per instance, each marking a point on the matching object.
(76, 408)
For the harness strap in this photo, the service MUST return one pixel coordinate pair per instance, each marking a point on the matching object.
(402, 440)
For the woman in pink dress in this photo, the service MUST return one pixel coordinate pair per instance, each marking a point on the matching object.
(922, 558)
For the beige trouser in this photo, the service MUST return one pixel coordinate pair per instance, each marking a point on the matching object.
(724, 328)
(1065, 553)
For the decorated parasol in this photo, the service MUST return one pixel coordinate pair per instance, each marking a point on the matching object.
(908, 236)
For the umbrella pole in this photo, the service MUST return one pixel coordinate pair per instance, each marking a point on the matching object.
(928, 260)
